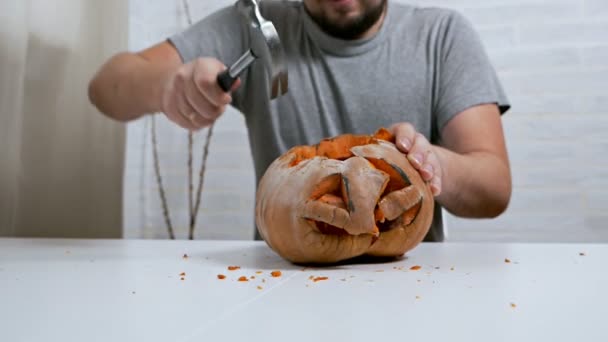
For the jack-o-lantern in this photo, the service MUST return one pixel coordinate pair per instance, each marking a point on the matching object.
(348, 196)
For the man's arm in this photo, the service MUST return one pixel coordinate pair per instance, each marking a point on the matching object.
(475, 164)
(131, 85)
(469, 173)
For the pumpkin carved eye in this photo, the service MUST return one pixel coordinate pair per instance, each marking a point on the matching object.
(345, 197)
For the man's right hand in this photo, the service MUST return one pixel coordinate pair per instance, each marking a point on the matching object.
(130, 85)
(191, 96)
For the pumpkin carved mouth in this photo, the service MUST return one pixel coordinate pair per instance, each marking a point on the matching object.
(357, 193)
(332, 210)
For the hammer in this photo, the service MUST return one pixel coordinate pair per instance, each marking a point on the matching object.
(265, 46)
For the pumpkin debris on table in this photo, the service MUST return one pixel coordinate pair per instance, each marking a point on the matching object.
(234, 268)
(221, 277)
(345, 197)
(243, 279)
(317, 279)
(507, 261)
(276, 274)
(415, 268)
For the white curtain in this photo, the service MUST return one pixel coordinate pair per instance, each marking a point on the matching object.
(61, 162)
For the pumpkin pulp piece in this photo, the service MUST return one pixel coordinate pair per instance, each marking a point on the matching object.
(384, 134)
(397, 202)
(328, 185)
(300, 154)
(325, 228)
(339, 147)
(410, 215)
(363, 185)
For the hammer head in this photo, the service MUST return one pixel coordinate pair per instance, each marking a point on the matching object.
(266, 46)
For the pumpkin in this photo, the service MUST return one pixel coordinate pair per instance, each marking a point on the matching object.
(348, 196)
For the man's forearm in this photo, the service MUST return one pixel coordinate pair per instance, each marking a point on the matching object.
(476, 185)
(128, 86)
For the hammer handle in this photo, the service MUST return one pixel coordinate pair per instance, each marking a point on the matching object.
(227, 78)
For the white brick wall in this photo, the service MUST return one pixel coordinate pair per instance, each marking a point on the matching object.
(552, 56)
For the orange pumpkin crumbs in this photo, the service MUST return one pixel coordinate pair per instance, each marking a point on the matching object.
(276, 274)
(317, 279)
(243, 279)
(513, 305)
(183, 274)
(415, 268)
(221, 277)
(507, 261)
(234, 268)
(259, 272)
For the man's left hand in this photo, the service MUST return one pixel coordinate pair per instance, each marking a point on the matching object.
(421, 154)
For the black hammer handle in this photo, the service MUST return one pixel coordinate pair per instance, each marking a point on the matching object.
(227, 78)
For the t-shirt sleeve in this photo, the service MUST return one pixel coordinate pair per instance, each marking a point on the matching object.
(465, 75)
(220, 35)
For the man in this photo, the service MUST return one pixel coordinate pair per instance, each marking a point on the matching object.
(354, 66)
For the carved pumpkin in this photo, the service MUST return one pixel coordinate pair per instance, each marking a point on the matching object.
(348, 196)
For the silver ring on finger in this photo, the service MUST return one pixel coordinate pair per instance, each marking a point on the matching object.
(190, 116)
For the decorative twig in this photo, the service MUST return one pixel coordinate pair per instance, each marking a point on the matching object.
(190, 177)
(201, 180)
(194, 209)
(159, 181)
(193, 204)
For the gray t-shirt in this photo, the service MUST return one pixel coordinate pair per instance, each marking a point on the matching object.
(424, 66)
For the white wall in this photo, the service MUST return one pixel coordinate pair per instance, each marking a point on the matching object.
(552, 56)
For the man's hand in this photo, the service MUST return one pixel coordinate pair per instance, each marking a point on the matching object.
(469, 173)
(131, 85)
(191, 96)
(420, 153)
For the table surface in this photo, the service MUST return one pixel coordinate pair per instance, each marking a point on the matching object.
(130, 290)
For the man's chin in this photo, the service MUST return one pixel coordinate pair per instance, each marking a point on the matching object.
(350, 24)
(343, 6)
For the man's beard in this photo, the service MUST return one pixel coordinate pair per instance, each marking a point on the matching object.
(352, 29)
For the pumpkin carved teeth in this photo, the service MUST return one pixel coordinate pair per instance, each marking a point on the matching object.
(346, 196)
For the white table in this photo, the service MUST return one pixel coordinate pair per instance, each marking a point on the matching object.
(92, 290)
